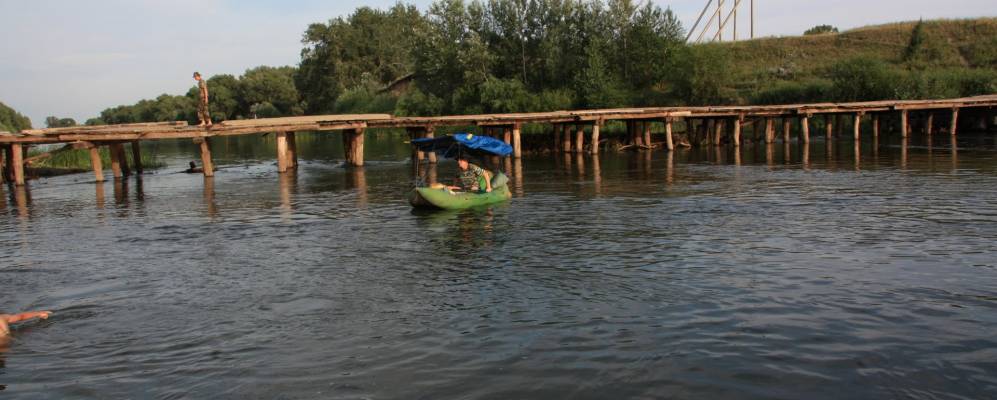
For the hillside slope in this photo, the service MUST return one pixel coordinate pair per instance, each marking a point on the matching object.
(953, 46)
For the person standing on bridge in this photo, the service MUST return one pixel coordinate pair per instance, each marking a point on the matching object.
(202, 106)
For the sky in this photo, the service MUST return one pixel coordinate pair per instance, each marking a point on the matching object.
(71, 58)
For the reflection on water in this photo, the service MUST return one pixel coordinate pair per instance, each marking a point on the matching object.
(820, 271)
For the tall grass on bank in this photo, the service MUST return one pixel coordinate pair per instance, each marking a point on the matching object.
(79, 159)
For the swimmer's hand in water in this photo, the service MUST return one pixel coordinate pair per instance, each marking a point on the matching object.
(26, 316)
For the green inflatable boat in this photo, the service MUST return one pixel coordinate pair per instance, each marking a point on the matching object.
(426, 197)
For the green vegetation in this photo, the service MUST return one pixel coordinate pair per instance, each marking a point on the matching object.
(12, 121)
(911, 60)
(79, 159)
(462, 57)
(56, 122)
(821, 30)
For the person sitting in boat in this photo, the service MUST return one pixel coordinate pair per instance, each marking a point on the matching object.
(472, 178)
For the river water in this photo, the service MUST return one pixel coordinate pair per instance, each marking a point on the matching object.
(777, 272)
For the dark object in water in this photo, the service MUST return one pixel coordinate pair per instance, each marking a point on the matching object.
(194, 169)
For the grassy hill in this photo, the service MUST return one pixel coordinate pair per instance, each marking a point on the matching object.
(949, 53)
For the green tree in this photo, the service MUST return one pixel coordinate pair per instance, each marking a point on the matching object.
(271, 85)
(369, 46)
(12, 121)
(56, 122)
(700, 75)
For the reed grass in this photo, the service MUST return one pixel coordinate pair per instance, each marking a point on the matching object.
(80, 159)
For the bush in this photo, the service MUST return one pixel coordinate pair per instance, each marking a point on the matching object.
(791, 92)
(863, 79)
(555, 100)
(416, 103)
(506, 96)
(363, 100)
(700, 75)
(821, 30)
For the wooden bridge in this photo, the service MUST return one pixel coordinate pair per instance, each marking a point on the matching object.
(717, 124)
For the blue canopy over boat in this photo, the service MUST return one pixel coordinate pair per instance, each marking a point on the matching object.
(451, 146)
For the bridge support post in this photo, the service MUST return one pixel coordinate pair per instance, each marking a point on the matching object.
(930, 124)
(116, 160)
(828, 127)
(119, 148)
(718, 132)
(857, 128)
(5, 166)
(431, 133)
(904, 123)
(595, 138)
(737, 130)
(517, 143)
(137, 157)
(769, 131)
(292, 150)
(875, 126)
(566, 139)
(787, 128)
(281, 152)
(668, 134)
(647, 133)
(16, 156)
(580, 138)
(353, 146)
(97, 164)
(955, 122)
(805, 129)
(209, 166)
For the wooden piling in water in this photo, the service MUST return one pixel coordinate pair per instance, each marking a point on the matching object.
(828, 127)
(595, 137)
(116, 170)
(930, 123)
(857, 127)
(507, 135)
(3, 166)
(292, 150)
(904, 123)
(431, 133)
(668, 135)
(875, 126)
(718, 136)
(17, 163)
(786, 129)
(206, 163)
(769, 131)
(737, 130)
(566, 139)
(96, 164)
(120, 149)
(954, 126)
(137, 157)
(805, 129)
(353, 146)
(580, 138)
(517, 143)
(281, 152)
(647, 133)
